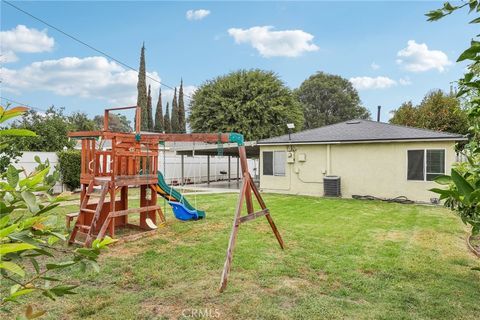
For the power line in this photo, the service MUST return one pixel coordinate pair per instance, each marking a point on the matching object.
(22, 104)
(90, 46)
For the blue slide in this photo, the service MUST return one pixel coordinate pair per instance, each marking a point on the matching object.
(182, 209)
(183, 213)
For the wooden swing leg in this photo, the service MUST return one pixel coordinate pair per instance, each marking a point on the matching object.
(233, 238)
(268, 216)
(248, 196)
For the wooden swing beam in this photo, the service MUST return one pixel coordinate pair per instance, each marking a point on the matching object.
(132, 142)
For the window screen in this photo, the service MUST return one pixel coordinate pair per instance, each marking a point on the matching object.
(415, 165)
(279, 159)
(267, 163)
(435, 163)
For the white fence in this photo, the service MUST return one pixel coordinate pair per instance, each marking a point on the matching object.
(194, 170)
(28, 163)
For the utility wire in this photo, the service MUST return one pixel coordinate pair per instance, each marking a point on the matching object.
(43, 110)
(90, 46)
(22, 104)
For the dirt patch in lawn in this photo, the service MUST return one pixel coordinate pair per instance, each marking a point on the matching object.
(392, 235)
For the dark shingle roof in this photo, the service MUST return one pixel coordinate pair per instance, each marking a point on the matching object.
(361, 131)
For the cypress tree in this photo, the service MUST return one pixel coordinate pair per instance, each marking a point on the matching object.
(174, 119)
(166, 121)
(149, 109)
(181, 110)
(159, 114)
(142, 91)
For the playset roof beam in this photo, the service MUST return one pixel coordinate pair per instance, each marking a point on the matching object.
(171, 137)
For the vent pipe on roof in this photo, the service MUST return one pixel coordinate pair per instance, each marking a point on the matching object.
(378, 113)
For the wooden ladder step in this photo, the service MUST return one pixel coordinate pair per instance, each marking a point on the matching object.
(82, 226)
(87, 231)
(80, 243)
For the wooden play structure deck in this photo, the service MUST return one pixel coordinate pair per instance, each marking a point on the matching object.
(132, 160)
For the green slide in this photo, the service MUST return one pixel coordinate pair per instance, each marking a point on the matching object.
(171, 194)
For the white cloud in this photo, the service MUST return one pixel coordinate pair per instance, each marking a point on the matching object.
(365, 83)
(23, 39)
(381, 82)
(269, 43)
(375, 66)
(197, 14)
(416, 57)
(8, 56)
(405, 81)
(90, 77)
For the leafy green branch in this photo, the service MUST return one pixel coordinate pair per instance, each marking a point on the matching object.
(29, 236)
(463, 185)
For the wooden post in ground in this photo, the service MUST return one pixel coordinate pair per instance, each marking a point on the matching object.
(229, 169)
(182, 158)
(232, 240)
(238, 170)
(208, 170)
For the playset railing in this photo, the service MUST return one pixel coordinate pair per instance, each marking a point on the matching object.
(121, 161)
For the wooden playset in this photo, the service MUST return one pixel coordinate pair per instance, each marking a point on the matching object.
(132, 160)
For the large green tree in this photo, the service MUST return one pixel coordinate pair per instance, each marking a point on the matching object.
(51, 128)
(328, 99)
(142, 91)
(174, 120)
(166, 120)
(437, 111)
(149, 109)
(159, 114)
(405, 115)
(116, 122)
(81, 122)
(255, 103)
(182, 125)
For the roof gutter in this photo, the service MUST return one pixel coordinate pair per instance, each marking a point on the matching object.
(361, 141)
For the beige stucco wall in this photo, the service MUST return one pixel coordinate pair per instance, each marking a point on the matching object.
(377, 169)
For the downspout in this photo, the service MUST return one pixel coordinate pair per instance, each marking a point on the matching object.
(329, 170)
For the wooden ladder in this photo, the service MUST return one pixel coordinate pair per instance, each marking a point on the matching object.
(84, 228)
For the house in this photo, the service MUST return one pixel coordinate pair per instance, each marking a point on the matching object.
(371, 158)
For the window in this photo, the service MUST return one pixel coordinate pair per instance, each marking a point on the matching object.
(415, 164)
(435, 164)
(279, 159)
(274, 163)
(268, 163)
(425, 165)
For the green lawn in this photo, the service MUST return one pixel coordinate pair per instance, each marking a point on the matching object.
(344, 259)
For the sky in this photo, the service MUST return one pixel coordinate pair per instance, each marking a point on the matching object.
(387, 49)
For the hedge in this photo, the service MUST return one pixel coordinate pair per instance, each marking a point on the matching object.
(69, 162)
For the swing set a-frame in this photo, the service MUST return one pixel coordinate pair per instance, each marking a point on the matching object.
(131, 161)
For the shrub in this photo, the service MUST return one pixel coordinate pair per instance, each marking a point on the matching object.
(28, 233)
(69, 162)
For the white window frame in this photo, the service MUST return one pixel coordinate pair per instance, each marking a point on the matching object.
(425, 163)
(274, 174)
